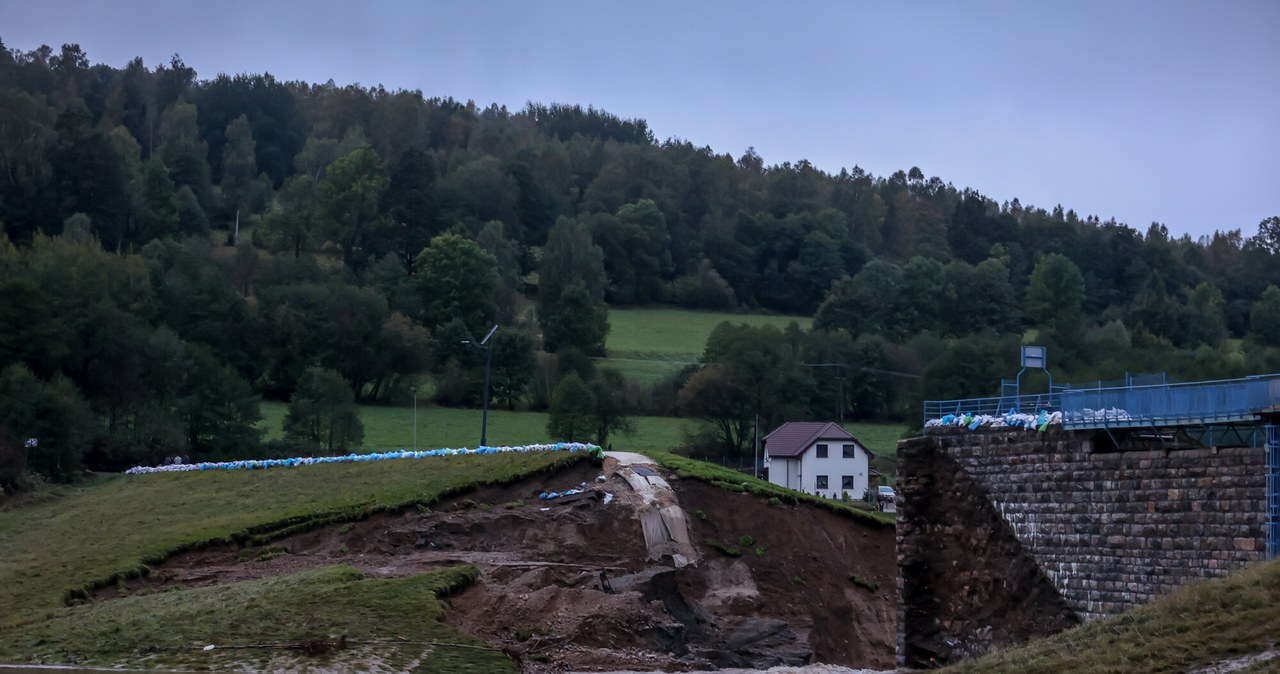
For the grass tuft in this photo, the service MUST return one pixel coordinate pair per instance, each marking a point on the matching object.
(726, 550)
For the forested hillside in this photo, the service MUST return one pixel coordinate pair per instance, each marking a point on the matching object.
(179, 247)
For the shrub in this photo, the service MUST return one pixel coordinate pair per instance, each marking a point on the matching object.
(272, 552)
(704, 289)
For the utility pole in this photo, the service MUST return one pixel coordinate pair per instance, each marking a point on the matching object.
(840, 378)
(414, 389)
(839, 383)
(756, 453)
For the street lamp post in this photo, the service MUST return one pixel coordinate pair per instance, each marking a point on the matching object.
(484, 418)
(488, 362)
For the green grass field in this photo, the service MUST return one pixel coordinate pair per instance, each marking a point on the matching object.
(642, 370)
(388, 428)
(675, 335)
(650, 345)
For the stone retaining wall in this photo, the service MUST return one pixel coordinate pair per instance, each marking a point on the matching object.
(1109, 530)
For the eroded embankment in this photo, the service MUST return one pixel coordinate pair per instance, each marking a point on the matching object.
(571, 584)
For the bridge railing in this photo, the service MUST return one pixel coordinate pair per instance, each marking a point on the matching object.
(1171, 404)
(1133, 404)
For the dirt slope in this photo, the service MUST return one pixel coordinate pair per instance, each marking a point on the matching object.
(566, 584)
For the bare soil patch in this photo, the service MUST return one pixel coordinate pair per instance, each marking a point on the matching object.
(566, 586)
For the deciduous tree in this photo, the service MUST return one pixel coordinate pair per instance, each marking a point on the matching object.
(1264, 317)
(513, 365)
(323, 411)
(571, 282)
(348, 198)
(1055, 297)
(457, 278)
(572, 417)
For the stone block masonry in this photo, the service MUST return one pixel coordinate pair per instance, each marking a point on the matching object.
(1107, 531)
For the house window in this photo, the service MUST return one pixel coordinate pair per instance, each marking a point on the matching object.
(849, 452)
(822, 451)
(822, 482)
(846, 482)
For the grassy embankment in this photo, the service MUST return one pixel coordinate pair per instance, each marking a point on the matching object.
(105, 532)
(1198, 626)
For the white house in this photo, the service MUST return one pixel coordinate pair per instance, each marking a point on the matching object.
(817, 458)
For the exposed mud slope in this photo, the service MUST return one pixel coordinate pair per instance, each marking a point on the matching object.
(969, 586)
(570, 584)
(811, 567)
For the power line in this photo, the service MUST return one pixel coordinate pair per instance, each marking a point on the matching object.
(865, 368)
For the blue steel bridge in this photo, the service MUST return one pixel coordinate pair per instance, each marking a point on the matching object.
(1146, 410)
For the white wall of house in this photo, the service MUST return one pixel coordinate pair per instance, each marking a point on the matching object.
(785, 472)
(842, 474)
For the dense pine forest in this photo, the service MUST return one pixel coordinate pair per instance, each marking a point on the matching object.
(179, 248)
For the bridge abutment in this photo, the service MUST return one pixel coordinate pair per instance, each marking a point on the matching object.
(1101, 532)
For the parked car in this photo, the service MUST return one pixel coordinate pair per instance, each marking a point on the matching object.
(885, 494)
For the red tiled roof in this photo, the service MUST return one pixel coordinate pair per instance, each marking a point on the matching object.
(793, 437)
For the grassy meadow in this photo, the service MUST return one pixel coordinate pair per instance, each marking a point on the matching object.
(388, 428)
(652, 344)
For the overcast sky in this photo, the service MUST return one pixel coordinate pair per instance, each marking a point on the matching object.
(1141, 110)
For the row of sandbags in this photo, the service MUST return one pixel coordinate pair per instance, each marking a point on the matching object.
(257, 464)
(1014, 419)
